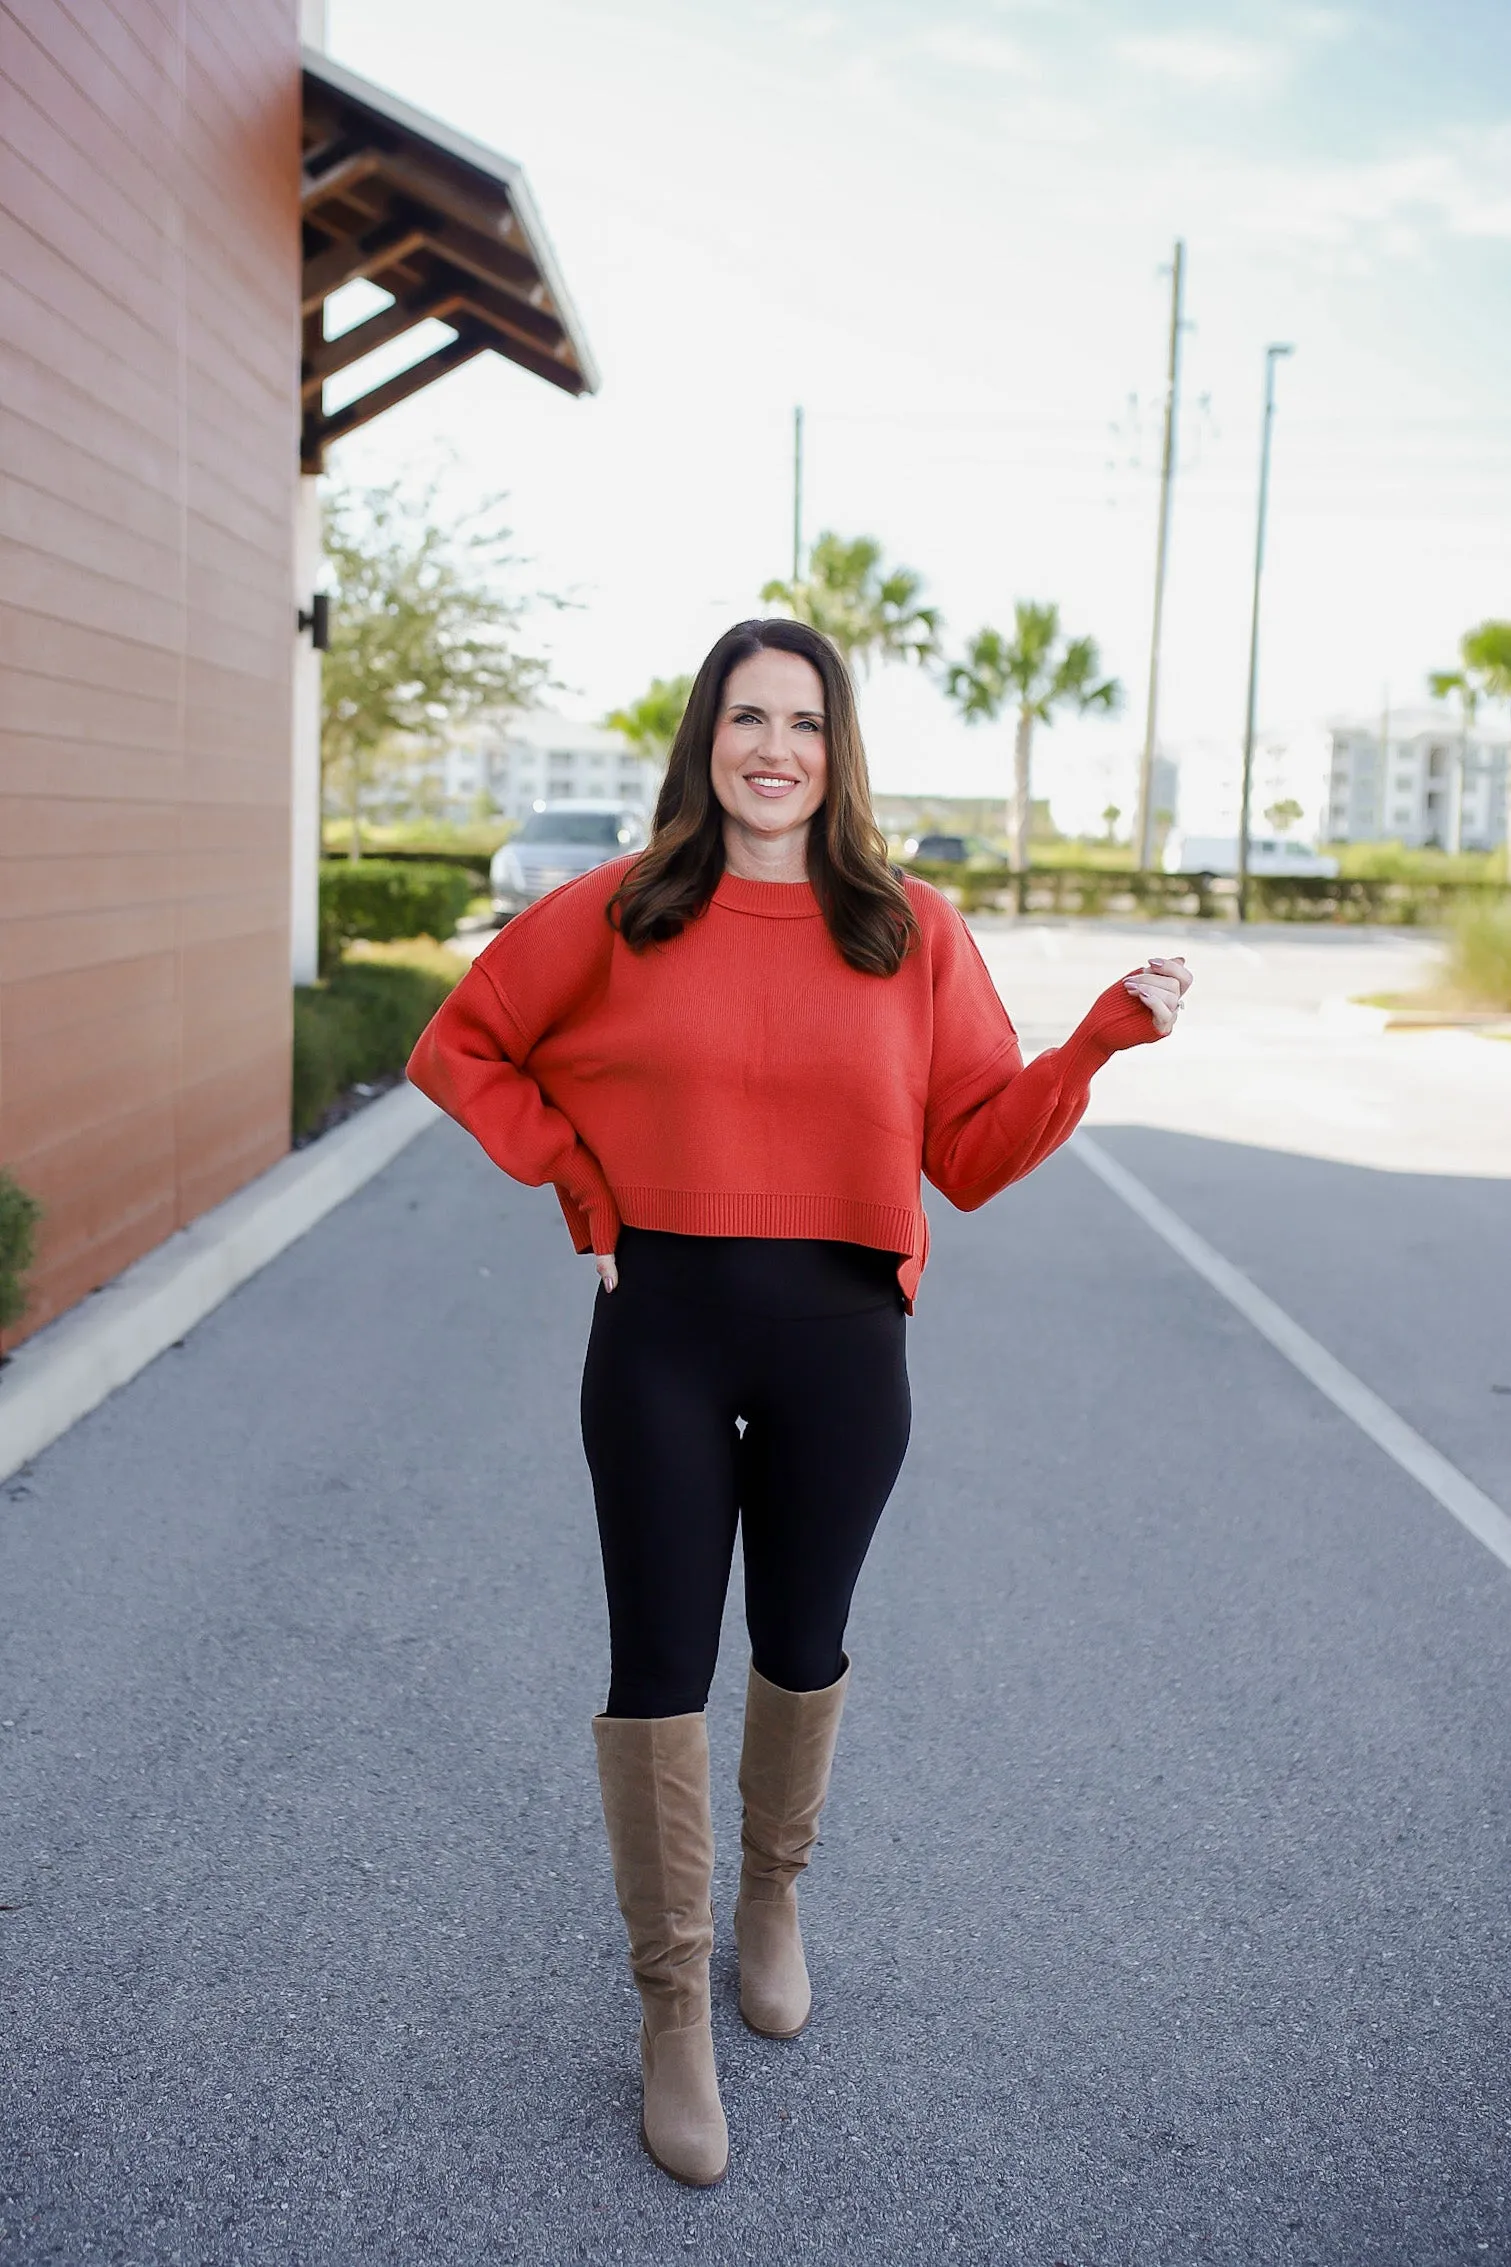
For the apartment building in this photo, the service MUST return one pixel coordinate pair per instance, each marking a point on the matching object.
(539, 757)
(1419, 779)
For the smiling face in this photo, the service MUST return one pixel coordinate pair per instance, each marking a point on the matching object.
(769, 764)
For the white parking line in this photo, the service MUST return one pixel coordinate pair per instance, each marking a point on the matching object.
(1485, 1520)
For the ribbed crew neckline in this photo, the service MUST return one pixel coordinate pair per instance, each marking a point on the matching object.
(773, 901)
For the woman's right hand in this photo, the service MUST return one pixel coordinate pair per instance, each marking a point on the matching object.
(608, 1272)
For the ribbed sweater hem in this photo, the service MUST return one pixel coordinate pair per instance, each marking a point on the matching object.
(721, 1212)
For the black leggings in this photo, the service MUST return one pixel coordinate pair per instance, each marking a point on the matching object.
(802, 1340)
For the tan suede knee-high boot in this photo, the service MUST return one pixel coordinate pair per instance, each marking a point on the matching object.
(653, 1771)
(784, 1777)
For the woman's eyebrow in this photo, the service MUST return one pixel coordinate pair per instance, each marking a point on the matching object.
(754, 708)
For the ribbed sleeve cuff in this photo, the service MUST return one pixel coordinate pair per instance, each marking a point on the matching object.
(1114, 1022)
(587, 1202)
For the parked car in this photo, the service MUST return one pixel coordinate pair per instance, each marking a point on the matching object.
(1268, 854)
(556, 844)
(944, 849)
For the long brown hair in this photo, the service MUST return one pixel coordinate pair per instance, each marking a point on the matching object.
(861, 898)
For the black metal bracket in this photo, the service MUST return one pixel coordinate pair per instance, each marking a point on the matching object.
(316, 618)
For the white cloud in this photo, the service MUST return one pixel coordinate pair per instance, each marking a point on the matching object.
(1202, 59)
(965, 49)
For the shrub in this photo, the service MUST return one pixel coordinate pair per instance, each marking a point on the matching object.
(381, 898)
(19, 1214)
(1479, 961)
(360, 1024)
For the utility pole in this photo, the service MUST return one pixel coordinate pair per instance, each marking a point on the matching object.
(797, 493)
(1272, 354)
(1143, 835)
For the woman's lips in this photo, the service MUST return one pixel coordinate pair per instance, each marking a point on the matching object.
(770, 784)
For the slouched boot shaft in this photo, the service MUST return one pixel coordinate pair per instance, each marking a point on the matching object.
(784, 1780)
(653, 1772)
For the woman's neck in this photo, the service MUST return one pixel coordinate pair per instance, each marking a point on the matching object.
(753, 857)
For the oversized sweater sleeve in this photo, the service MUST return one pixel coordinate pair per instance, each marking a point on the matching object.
(990, 1118)
(471, 1057)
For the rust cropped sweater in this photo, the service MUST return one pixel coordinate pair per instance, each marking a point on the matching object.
(744, 1080)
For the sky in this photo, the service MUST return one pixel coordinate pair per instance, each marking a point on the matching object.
(945, 227)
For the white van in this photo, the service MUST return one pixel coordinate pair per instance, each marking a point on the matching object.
(1268, 854)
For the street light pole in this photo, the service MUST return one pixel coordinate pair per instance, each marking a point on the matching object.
(1271, 356)
(1143, 835)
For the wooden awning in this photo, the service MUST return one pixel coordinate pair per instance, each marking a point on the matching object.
(445, 225)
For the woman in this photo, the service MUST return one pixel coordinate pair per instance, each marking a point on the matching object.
(733, 1055)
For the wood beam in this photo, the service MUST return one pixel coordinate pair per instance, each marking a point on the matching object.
(357, 256)
(486, 258)
(424, 182)
(333, 354)
(342, 174)
(540, 361)
(511, 313)
(321, 432)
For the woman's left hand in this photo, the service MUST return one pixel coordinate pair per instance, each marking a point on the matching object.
(1161, 985)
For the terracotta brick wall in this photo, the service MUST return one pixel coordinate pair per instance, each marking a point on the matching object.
(149, 294)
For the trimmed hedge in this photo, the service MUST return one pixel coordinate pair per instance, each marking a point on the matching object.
(1093, 890)
(19, 1214)
(360, 1024)
(381, 899)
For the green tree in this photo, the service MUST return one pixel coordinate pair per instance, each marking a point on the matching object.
(1284, 814)
(872, 613)
(424, 635)
(1484, 673)
(1486, 655)
(650, 723)
(1110, 817)
(1034, 673)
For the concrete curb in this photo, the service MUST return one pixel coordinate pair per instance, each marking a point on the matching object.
(78, 1361)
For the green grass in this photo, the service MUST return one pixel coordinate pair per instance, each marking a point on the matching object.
(409, 952)
(478, 838)
(1479, 955)
(1392, 861)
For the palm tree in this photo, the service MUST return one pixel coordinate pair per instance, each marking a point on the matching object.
(1440, 683)
(650, 723)
(1032, 671)
(870, 613)
(1484, 673)
(1486, 655)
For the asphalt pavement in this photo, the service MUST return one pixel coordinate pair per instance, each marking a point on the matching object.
(1161, 1910)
